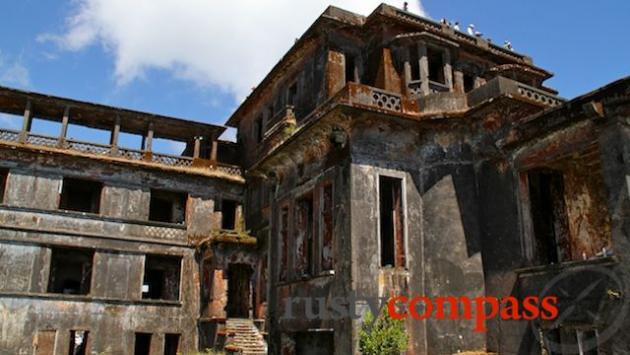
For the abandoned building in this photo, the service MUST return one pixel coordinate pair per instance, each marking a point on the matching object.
(383, 155)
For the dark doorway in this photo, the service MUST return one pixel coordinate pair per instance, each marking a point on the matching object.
(143, 344)
(315, 343)
(238, 290)
(171, 344)
(546, 189)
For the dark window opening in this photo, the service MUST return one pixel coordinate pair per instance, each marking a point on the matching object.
(350, 68)
(161, 277)
(292, 95)
(279, 105)
(143, 344)
(391, 222)
(167, 206)
(548, 211)
(414, 62)
(171, 344)
(327, 257)
(80, 195)
(70, 271)
(228, 214)
(259, 130)
(78, 342)
(469, 82)
(436, 65)
(4, 174)
(304, 236)
(272, 111)
(284, 243)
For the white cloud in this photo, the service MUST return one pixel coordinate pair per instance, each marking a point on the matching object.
(231, 43)
(13, 72)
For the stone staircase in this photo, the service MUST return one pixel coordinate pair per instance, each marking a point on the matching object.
(243, 337)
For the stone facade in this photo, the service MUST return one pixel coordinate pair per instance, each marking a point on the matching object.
(383, 155)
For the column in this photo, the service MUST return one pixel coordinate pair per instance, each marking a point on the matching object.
(424, 68)
(197, 148)
(458, 81)
(147, 143)
(113, 140)
(407, 70)
(213, 152)
(64, 126)
(26, 123)
(448, 69)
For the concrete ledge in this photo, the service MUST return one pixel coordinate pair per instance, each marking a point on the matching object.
(543, 269)
(90, 299)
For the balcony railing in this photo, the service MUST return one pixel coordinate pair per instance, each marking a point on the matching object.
(538, 95)
(18, 137)
(369, 96)
(175, 160)
(503, 86)
(435, 87)
(279, 119)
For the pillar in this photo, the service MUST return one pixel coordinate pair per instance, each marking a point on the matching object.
(213, 152)
(448, 69)
(113, 140)
(147, 141)
(458, 82)
(64, 126)
(27, 122)
(424, 67)
(407, 70)
(197, 148)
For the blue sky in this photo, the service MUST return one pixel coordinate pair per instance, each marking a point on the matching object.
(197, 59)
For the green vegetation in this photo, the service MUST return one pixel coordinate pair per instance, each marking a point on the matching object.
(382, 335)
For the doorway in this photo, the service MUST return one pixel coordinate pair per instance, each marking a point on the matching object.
(239, 290)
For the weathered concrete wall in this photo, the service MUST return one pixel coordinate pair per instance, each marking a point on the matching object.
(442, 226)
(120, 236)
(294, 182)
(32, 189)
(126, 202)
(117, 275)
(21, 268)
(112, 312)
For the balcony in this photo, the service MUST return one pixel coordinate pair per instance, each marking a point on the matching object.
(13, 137)
(200, 155)
(501, 86)
(372, 98)
(282, 120)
